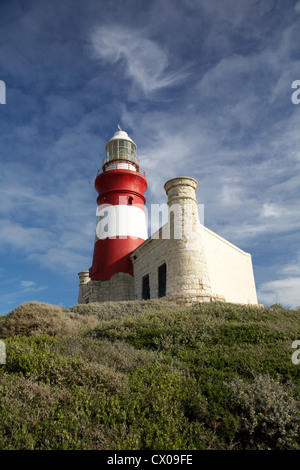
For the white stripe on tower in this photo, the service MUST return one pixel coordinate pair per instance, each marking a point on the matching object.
(121, 221)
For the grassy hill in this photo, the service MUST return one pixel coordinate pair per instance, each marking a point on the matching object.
(149, 375)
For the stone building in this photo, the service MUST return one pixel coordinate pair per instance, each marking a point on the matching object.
(183, 261)
(187, 262)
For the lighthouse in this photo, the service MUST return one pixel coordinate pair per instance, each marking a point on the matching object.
(196, 265)
(121, 222)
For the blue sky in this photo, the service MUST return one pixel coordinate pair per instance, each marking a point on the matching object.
(202, 87)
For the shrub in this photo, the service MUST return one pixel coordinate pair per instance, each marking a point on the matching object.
(165, 410)
(36, 318)
(38, 416)
(118, 355)
(149, 375)
(269, 414)
(39, 357)
(117, 310)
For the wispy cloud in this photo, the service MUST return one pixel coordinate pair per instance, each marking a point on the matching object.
(44, 225)
(292, 269)
(285, 292)
(30, 286)
(285, 288)
(143, 60)
(297, 7)
(22, 291)
(27, 284)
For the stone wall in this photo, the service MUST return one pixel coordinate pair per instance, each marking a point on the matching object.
(119, 287)
(146, 260)
(186, 284)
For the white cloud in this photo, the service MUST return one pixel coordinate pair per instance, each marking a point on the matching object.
(297, 7)
(146, 63)
(27, 284)
(285, 292)
(237, 14)
(52, 226)
(232, 194)
(63, 260)
(30, 286)
(292, 268)
(18, 237)
(63, 251)
(271, 210)
(26, 288)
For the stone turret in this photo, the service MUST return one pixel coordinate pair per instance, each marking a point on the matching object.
(187, 263)
(84, 278)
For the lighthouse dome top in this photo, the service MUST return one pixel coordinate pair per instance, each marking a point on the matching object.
(120, 135)
(120, 147)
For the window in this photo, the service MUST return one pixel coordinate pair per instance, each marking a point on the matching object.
(162, 280)
(146, 287)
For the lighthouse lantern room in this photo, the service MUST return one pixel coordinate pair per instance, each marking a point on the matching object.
(121, 222)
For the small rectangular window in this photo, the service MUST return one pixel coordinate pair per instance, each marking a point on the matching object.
(162, 280)
(146, 287)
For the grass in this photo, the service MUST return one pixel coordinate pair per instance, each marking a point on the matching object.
(149, 375)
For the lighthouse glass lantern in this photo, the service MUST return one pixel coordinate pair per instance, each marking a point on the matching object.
(120, 153)
(121, 222)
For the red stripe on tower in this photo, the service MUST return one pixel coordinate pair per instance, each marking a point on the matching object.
(121, 222)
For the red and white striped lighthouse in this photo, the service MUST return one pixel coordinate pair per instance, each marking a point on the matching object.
(121, 222)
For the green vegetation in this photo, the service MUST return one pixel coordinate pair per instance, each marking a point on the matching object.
(149, 375)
